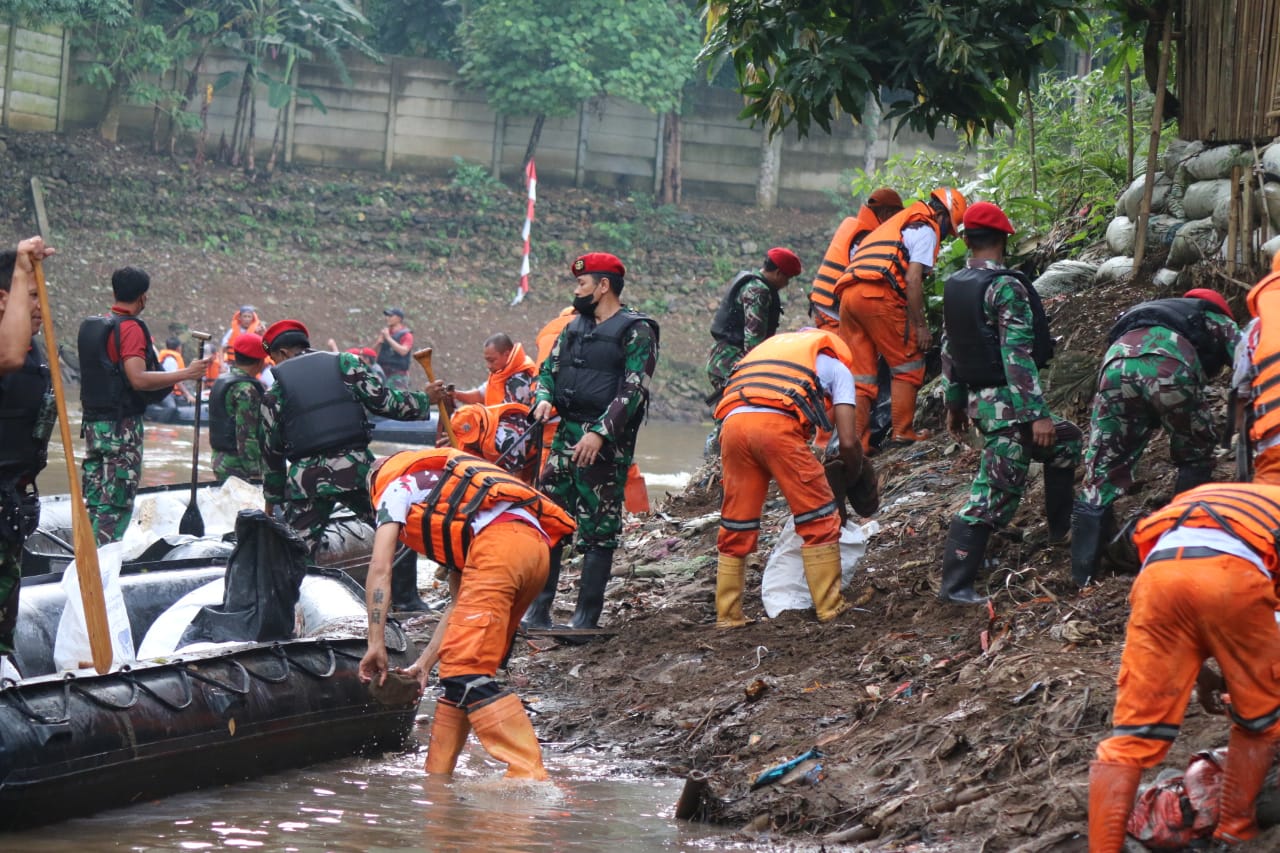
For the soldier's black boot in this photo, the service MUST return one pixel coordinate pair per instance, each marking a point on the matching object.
(404, 583)
(539, 613)
(962, 558)
(1190, 476)
(1058, 490)
(597, 564)
(1091, 527)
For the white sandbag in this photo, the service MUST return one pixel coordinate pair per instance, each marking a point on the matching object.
(1176, 153)
(1065, 277)
(1120, 237)
(1161, 229)
(1130, 203)
(1216, 162)
(1271, 201)
(1165, 277)
(71, 647)
(1202, 197)
(1270, 248)
(1195, 241)
(1113, 270)
(1271, 158)
(784, 587)
(159, 514)
(163, 635)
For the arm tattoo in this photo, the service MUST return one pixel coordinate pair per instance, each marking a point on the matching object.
(375, 615)
(378, 596)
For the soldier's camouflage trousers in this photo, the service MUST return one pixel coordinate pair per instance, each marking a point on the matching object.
(591, 494)
(10, 577)
(310, 518)
(1007, 454)
(1131, 404)
(111, 471)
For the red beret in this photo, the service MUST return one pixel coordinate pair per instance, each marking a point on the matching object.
(785, 260)
(598, 263)
(281, 327)
(885, 197)
(249, 345)
(984, 214)
(1213, 297)
(369, 352)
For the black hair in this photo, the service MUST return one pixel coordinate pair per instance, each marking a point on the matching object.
(243, 360)
(500, 341)
(129, 283)
(173, 343)
(291, 338)
(769, 265)
(984, 238)
(615, 282)
(8, 259)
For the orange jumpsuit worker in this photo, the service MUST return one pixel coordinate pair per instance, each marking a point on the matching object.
(1255, 380)
(882, 305)
(493, 532)
(881, 205)
(776, 397)
(500, 434)
(1207, 589)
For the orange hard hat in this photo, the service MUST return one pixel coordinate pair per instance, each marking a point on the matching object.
(953, 202)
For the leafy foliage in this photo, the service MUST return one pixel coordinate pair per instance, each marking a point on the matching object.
(414, 27)
(961, 64)
(545, 57)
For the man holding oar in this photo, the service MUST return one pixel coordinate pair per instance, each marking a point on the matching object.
(27, 415)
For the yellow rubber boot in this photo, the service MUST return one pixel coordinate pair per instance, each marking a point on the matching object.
(822, 573)
(1249, 757)
(505, 732)
(729, 584)
(1111, 790)
(449, 730)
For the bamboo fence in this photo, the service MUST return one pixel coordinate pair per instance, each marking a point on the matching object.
(1229, 70)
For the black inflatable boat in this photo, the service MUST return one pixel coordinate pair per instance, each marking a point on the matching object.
(384, 429)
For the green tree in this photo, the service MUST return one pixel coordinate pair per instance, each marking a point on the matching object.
(966, 65)
(544, 58)
(414, 27)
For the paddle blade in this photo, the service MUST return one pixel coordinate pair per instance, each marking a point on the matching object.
(192, 523)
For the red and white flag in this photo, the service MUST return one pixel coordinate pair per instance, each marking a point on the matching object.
(531, 176)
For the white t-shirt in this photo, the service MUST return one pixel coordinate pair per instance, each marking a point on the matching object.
(922, 246)
(834, 379)
(169, 365)
(403, 492)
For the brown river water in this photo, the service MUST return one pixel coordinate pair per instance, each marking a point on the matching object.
(597, 801)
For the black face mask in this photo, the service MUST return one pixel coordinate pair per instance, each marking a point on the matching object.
(584, 305)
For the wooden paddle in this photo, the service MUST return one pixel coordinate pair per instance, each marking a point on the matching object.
(423, 357)
(192, 523)
(86, 544)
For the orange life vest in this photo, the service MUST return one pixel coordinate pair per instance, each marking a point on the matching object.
(852, 231)
(256, 327)
(478, 430)
(440, 528)
(495, 390)
(781, 373)
(176, 356)
(882, 256)
(1250, 513)
(1264, 303)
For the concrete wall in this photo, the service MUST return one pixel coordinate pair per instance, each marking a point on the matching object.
(33, 79)
(415, 115)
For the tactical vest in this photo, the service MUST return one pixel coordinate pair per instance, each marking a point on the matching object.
(781, 374)
(491, 431)
(972, 341)
(1184, 316)
(852, 231)
(390, 360)
(1250, 513)
(222, 429)
(24, 444)
(882, 256)
(319, 414)
(592, 364)
(1264, 302)
(440, 526)
(105, 392)
(729, 325)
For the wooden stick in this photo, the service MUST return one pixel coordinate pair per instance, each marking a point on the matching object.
(86, 544)
(423, 357)
(1233, 221)
(1157, 117)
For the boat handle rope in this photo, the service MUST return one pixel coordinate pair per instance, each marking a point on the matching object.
(12, 691)
(191, 671)
(333, 663)
(128, 674)
(283, 675)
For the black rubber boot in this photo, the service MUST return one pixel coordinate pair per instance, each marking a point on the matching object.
(539, 613)
(1059, 486)
(1091, 527)
(597, 564)
(1119, 551)
(1190, 476)
(404, 583)
(965, 549)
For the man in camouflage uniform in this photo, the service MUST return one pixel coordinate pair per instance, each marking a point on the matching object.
(119, 375)
(235, 412)
(27, 415)
(997, 339)
(1163, 354)
(315, 439)
(749, 313)
(597, 379)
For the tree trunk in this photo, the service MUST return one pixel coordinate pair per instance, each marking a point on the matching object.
(242, 114)
(871, 132)
(770, 162)
(276, 140)
(109, 124)
(251, 136)
(193, 80)
(204, 126)
(156, 115)
(534, 136)
(671, 180)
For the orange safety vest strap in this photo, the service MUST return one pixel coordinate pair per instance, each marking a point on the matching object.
(1264, 302)
(882, 257)
(1250, 513)
(823, 294)
(781, 373)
